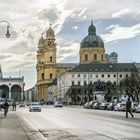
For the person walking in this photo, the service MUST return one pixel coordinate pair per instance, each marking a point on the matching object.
(14, 106)
(6, 106)
(128, 108)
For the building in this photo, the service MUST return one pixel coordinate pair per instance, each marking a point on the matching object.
(11, 88)
(91, 51)
(30, 95)
(85, 74)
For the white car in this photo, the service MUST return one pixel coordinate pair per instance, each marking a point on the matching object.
(58, 104)
(34, 107)
(120, 106)
(137, 109)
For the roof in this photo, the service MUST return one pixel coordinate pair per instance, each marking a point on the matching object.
(70, 65)
(107, 67)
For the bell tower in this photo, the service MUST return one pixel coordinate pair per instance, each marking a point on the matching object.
(46, 63)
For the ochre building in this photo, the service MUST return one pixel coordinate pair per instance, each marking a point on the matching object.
(91, 51)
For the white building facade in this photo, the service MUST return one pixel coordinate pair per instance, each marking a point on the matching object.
(85, 74)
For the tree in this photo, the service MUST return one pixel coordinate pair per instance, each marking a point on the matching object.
(131, 86)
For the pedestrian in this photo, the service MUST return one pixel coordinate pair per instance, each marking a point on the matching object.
(6, 106)
(14, 106)
(128, 108)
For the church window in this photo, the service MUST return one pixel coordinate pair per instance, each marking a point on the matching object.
(108, 75)
(43, 76)
(95, 57)
(120, 75)
(86, 57)
(102, 57)
(50, 75)
(50, 58)
(102, 75)
(85, 83)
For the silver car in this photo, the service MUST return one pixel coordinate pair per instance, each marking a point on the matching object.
(34, 107)
(120, 106)
(137, 109)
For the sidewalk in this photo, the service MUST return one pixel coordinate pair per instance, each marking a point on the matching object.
(11, 128)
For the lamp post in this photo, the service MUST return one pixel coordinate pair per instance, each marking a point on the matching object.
(8, 26)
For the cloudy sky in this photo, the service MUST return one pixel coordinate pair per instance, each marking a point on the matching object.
(116, 21)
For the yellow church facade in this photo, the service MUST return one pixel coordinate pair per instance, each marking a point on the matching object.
(91, 51)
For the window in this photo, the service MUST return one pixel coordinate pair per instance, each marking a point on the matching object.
(103, 76)
(72, 83)
(90, 75)
(102, 57)
(43, 76)
(126, 75)
(114, 75)
(95, 57)
(96, 75)
(90, 83)
(120, 75)
(50, 75)
(84, 75)
(108, 75)
(50, 58)
(79, 83)
(85, 83)
(86, 57)
(72, 75)
(79, 75)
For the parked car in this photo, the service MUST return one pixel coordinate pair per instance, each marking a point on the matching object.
(34, 107)
(58, 104)
(134, 105)
(86, 105)
(103, 105)
(110, 106)
(96, 105)
(91, 103)
(137, 109)
(22, 105)
(120, 106)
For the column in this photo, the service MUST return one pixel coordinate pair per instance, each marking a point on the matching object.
(10, 94)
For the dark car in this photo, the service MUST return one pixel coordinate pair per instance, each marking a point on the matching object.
(86, 105)
(22, 105)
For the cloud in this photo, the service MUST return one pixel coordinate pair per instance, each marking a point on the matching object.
(68, 49)
(133, 12)
(118, 32)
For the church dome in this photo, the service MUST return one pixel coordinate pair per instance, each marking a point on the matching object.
(113, 54)
(50, 32)
(92, 40)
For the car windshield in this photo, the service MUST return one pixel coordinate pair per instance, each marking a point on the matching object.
(34, 104)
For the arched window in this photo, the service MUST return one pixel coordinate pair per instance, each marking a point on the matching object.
(50, 58)
(50, 75)
(95, 57)
(102, 57)
(86, 57)
(43, 76)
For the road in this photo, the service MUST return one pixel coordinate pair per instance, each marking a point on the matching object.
(75, 123)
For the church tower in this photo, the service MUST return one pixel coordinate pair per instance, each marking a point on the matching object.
(46, 63)
(92, 47)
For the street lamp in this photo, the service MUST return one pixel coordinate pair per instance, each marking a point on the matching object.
(8, 26)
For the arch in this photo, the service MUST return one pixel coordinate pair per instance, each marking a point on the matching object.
(16, 92)
(4, 91)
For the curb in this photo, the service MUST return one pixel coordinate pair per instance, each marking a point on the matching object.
(33, 134)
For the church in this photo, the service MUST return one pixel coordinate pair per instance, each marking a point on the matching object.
(92, 50)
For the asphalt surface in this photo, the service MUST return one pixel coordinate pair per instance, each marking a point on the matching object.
(11, 128)
(76, 123)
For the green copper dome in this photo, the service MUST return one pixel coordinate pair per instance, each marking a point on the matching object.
(92, 40)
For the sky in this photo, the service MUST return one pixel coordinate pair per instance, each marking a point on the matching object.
(117, 23)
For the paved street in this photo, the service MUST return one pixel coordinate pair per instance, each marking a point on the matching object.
(79, 124)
